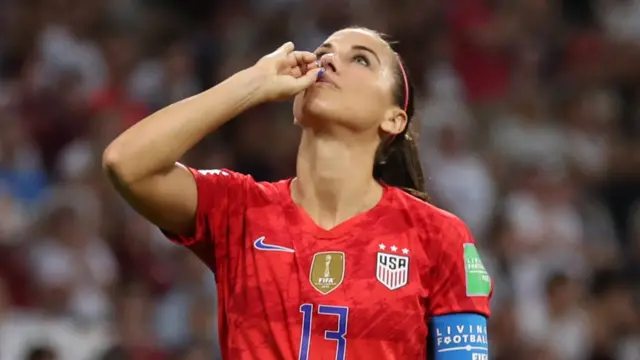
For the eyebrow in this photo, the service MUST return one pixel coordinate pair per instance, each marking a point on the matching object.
(354, 47)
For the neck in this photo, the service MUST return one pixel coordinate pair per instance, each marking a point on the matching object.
(334, 178)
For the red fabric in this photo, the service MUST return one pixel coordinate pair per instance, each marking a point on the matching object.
(143, 353)
(584, 50)
(146, 266)
(262, 294)
(14, 273)
(112, 99)
(485, 73)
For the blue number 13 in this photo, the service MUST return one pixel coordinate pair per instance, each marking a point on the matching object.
(307, 316)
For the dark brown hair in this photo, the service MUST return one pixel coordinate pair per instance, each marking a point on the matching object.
(397, 161)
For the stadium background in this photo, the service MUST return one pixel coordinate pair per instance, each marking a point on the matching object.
(529, 131)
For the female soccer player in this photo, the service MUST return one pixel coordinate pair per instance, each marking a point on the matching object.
(342, 262)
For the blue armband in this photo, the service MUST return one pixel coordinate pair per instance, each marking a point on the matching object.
(459, 337)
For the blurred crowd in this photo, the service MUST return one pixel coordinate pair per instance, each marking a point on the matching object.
(529, 123)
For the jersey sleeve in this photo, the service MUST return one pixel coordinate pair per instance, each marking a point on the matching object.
(220, 211)
(459, 282)
(458, 337)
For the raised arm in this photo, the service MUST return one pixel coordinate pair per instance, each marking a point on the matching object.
(142, 163)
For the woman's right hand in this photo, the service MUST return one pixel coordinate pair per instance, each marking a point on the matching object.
(286, 72)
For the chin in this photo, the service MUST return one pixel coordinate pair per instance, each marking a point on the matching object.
(313, 107)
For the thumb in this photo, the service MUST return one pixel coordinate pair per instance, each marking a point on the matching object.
(307, 79)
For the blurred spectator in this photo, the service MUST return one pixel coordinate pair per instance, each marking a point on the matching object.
(115, 98)
(20, 329)
(114, 353)
(74, 261)
(483, 36)
(548, 232)
(162, 82)
(179, 308)
(620, 19)
(540, 354)
(196, 351)
(613, 315)
(141, 249)
(14, 218)
(634, 240)
(560, 322)
(41, 353)
(21, 170)
(461, 182)
(203, 324)
(590, 117)
(506, 339)
(133, 326)
(526, 135)
(67, 44)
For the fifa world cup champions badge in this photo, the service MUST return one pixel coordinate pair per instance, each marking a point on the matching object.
(327, 271)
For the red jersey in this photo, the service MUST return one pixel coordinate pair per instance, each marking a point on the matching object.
(365, 289)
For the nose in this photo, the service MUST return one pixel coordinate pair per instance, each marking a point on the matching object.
(328, 61)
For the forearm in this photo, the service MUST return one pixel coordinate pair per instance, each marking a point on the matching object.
(157, 142)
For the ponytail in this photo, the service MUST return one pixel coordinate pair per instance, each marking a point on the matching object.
(397, 164)
(397, 161)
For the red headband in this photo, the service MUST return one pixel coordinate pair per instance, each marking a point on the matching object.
(406, 84)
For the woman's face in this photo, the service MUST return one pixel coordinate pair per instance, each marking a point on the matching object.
(357, 88)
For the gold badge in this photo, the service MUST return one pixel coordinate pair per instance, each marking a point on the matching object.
(327, 271)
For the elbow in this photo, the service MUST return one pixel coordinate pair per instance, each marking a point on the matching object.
(114, 164)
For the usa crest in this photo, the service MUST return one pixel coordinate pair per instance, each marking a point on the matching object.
(327, 271)
(392, 270)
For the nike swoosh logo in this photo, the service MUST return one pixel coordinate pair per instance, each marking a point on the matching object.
(261, 245)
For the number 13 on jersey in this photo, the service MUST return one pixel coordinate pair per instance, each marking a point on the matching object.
(337, 335)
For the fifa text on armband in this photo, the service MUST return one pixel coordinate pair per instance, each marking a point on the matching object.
(476, 356)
